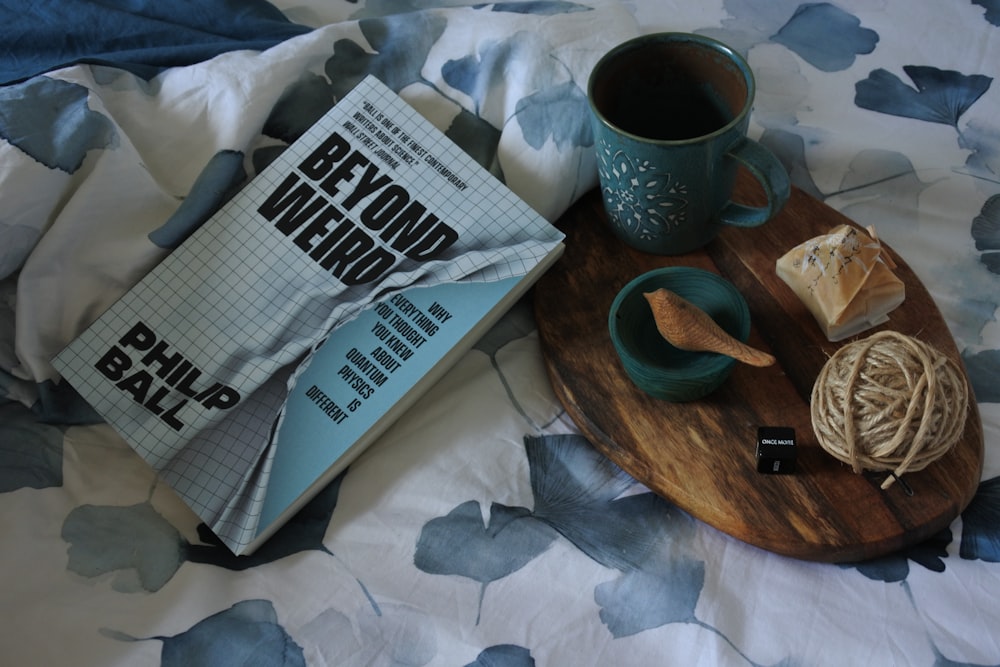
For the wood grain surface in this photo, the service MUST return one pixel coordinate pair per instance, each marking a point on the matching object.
(701, 455)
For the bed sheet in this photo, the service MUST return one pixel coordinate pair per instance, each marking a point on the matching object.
(481, 529)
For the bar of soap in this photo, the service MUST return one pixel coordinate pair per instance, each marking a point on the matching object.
(845, 278)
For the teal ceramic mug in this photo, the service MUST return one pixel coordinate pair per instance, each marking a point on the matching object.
(670, 113)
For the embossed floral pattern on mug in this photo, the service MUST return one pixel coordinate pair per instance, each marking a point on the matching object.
(640, 200)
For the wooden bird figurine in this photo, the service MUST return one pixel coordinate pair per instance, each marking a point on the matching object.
(687, 327)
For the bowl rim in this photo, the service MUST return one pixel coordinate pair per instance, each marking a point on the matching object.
(716, 363)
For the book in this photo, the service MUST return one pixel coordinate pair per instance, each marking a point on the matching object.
(283, 336)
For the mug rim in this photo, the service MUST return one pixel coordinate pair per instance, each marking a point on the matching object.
(676, 37)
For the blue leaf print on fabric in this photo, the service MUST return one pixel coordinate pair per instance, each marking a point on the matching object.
(134, 542)
(60, 403)
(992, 8)
(401, 45)
(264, 156)
(19, 241)
(145, 551)
(478, 139)
(791, 150)
(539, 7)
(461, 543)
(826, 37)
(49, 120)
(986, 233)
(303, 532)
(664, 583)
(983, 143)
(981, 524)
(248, 633)
(648, 598)
(31, 453)
(300, 106)
(940, 660)
(516, 323)
(939, 96)
(476, 75)
(583, 496)
(991, 260)
(215, 185)
(504, 655)
(983, 369)
(578, 492)
(559, 112)
(895, 567)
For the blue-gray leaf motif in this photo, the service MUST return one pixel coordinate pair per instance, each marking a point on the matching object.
(31, 453)
(248, 633)
(558, 112)
(401, 45)
(50, 121)
(302, 104)
(578, 492)
(648, 598)
(983, 368)
(986, 233)
(790, 148)
(895, 567)
(19, 241)
(303, 532)
(981, 524)
(478, 75)
(992, 8)
(134, 542)
(991, 260)
(215, 185)
(504, 655)
(539, 7)
(938, 96)
(826, 37)
(986, 225)
(144, 551)
(477, 139)
(462, 543)
(584, 497)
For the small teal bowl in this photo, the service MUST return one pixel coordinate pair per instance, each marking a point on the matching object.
(654, 365)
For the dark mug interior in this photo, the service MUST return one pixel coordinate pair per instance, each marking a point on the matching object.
(669, 88)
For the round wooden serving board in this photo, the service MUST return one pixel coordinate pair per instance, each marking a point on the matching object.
(701, 455)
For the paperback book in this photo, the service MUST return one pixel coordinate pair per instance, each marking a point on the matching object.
(280, 339)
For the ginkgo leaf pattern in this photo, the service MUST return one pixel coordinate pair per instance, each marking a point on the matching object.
(31, 456)
(981, 524)
(986, 233)
(992, 13)
(937, 96)
(246, 633)
(807, 33)
(579, 495)
(27, 109)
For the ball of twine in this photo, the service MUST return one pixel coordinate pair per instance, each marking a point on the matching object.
(889, 402)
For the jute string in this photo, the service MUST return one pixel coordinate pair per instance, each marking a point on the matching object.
(889, 402)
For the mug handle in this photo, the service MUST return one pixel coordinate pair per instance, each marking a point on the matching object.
(769, 172)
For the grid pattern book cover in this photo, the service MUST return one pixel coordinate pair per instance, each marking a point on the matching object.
(192, 365)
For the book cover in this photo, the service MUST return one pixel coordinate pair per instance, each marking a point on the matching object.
(260, 357)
